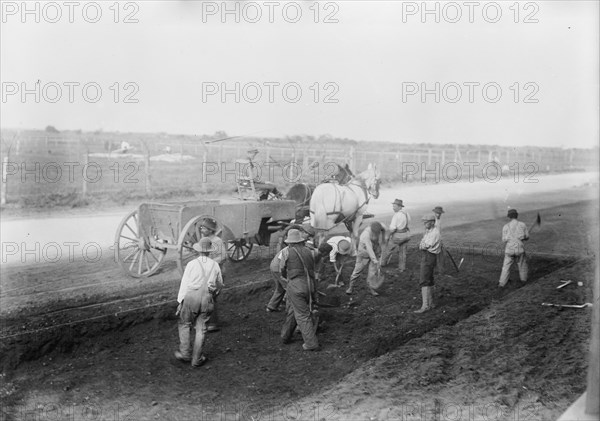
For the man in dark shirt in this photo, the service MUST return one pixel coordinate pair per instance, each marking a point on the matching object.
(297, 265)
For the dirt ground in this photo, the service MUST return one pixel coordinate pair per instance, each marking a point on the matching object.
(483, 353)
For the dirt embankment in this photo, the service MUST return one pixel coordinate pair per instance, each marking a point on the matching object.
(480, 346)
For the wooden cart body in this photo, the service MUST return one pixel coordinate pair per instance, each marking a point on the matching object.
(145, 235)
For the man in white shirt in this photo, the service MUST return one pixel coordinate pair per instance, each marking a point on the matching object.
(201, 281)
(399, 236)
(430, 247)
(369, 246)
(513, 234)
(341, 247)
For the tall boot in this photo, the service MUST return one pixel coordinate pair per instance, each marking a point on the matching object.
(185, 351)
(425, 297)
(430, 294)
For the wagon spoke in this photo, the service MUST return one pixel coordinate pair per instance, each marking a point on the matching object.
(140, 262)
(130, 229)
(146, 260)
(154, 257)
(131, 254)
(131, 239)
(133, 261)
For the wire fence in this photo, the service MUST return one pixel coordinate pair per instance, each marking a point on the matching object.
(39, 167)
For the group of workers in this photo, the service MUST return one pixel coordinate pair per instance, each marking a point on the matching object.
(297, 268)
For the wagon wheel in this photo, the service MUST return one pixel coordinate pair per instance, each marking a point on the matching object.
(190, 235)
(133, 250)
(238, 250)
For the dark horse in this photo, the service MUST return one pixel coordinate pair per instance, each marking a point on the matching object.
(301, 193)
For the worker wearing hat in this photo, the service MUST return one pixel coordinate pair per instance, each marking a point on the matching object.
(200, 283)
(279, 281)
(399, 235)
(513, 234)
(430, 247)
(297, 266)
(218, 253)
(438, 211)
(262, 187)
(340, 248)
(369, 248)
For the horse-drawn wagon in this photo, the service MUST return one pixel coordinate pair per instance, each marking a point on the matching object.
(146, 234)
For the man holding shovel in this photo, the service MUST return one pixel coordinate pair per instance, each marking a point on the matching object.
(369, 247)
(430, 247)
(341, 247)
(513, 234)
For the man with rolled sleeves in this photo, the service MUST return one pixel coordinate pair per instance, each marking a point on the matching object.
(369, 247)
(200, 283)
(430, 247)
(399, 235)
(513, 234)
(297, 265)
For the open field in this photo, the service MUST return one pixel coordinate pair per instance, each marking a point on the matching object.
(100, 347)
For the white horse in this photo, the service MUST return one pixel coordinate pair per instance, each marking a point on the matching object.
(332, 204)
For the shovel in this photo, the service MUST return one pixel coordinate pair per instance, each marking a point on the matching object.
(337, 277)
(584, 305)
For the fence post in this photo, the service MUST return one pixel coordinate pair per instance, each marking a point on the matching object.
(86, 161)
(204, 159)
(147, 178)
(4, 186)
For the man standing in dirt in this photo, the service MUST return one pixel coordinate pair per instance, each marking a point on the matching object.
(438, 211)
(369, 247)
(513, 234)
(430, 247)
(208, 229)
(201, 281)
(297, 265)
(399, 236)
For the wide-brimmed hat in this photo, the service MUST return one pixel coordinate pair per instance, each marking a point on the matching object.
(210, 224)
(428, 217)
(438, 209)
(344, 247)
(294, 236)
(398, 202)
(205, 245)
(512, 213)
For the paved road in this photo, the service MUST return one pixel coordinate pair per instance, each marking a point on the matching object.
(41, 240)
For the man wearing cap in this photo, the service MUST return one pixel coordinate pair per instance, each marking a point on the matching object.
(339, 247)
(399, 235)
(513, 234)
(208, 229)
(297, 265)
(430, 247)
(201, 281)
(263, 187)
(438, 211)
(369, 247)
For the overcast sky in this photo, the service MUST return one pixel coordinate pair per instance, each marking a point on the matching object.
(367, 61)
